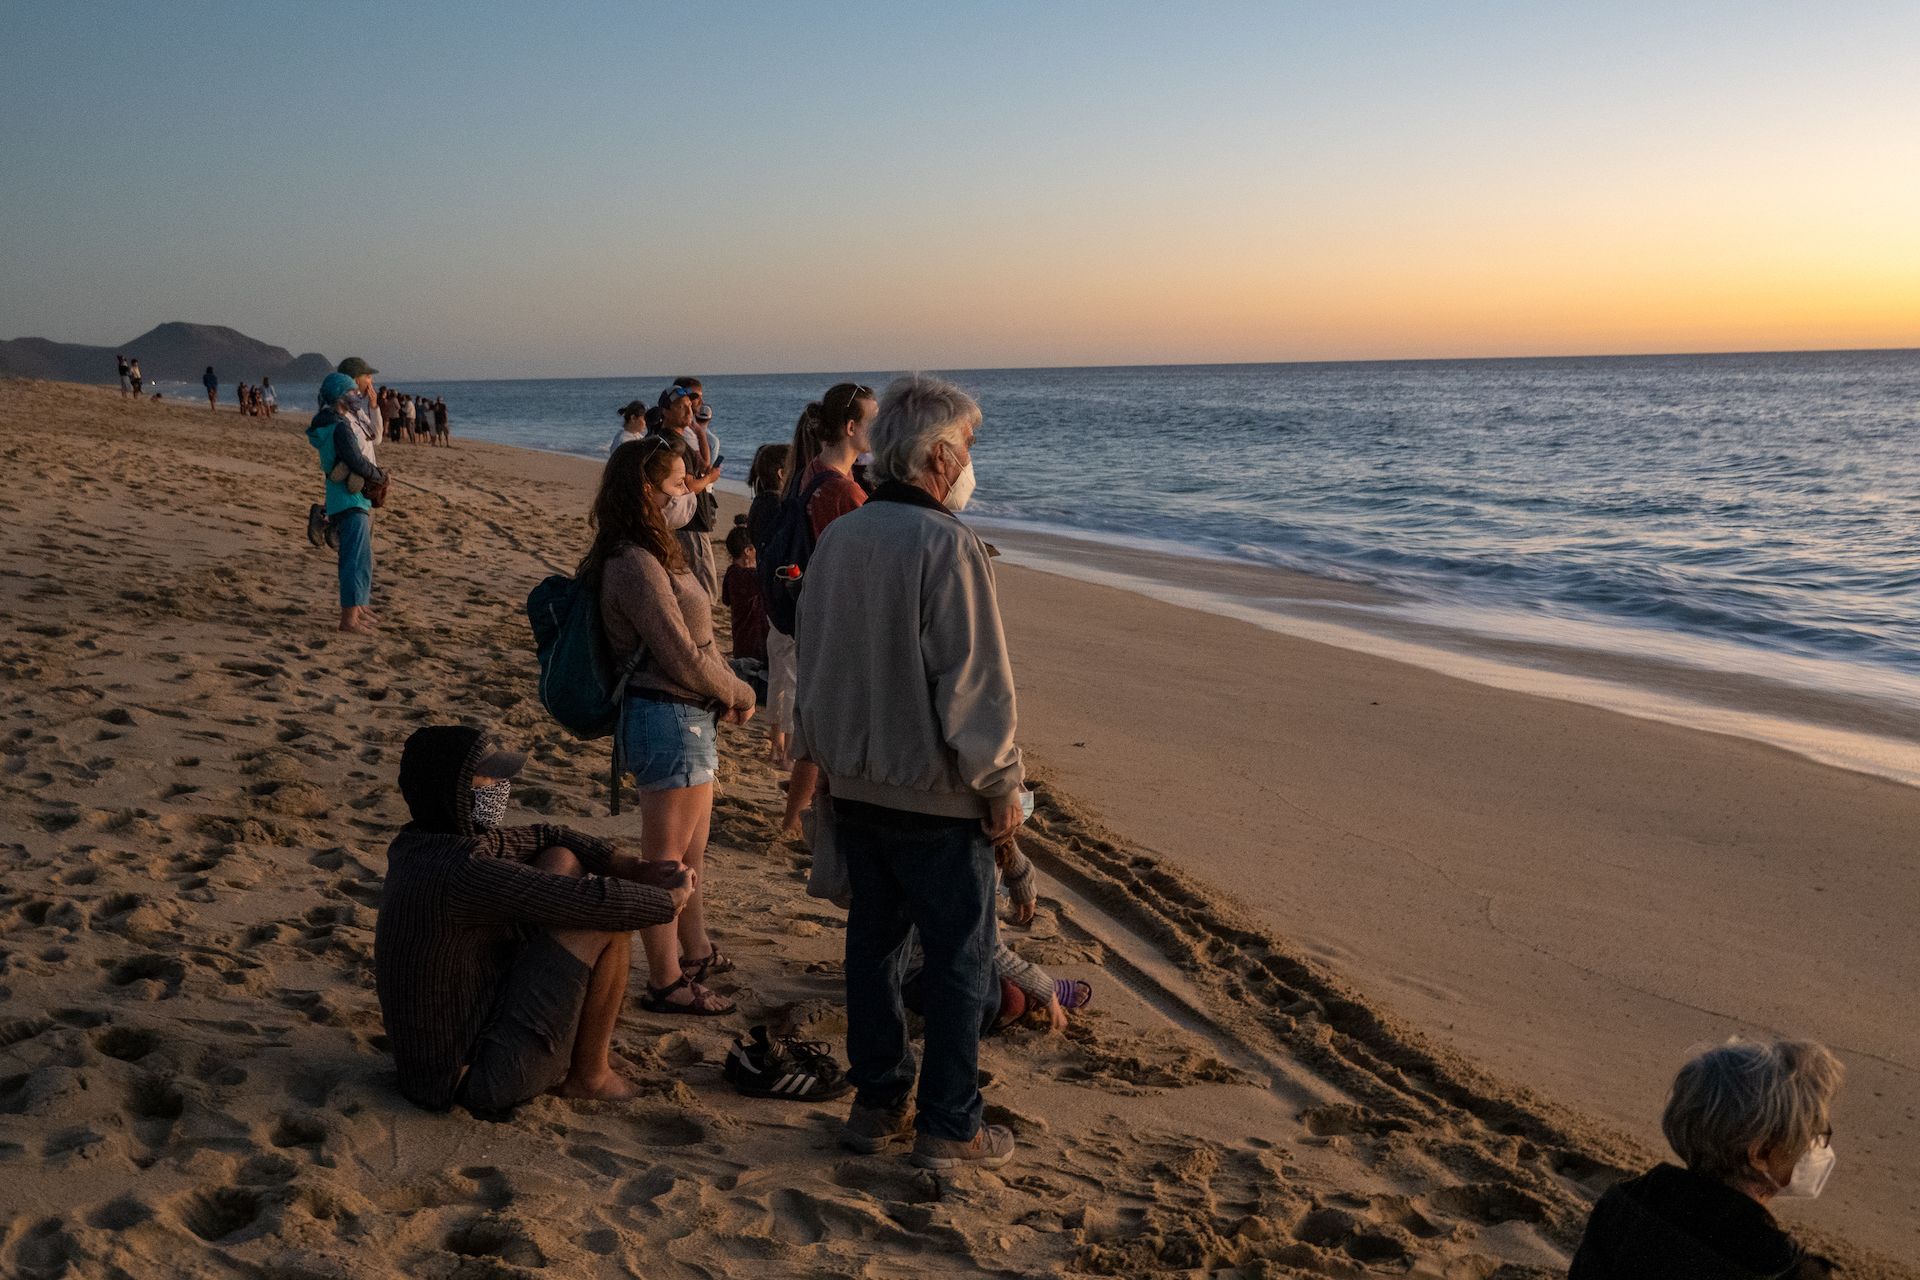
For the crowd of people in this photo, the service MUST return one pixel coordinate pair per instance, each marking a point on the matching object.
(502, 952)
(411, 419)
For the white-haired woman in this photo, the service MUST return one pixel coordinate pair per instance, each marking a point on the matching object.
(1751, 1120)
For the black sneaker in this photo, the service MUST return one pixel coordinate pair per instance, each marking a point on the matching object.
(803, 1070)
(317, 525)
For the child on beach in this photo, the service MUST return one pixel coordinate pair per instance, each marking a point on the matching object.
(1025, 988)
(740, 592)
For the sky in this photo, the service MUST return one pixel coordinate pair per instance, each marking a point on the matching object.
(513, 190)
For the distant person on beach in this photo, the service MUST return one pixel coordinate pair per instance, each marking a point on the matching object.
(1751, 1121)
(268, 398)
(126, 380)
(906, 704)
(212, 384)
(500, 953)
(133, 372)
(355, 485)
(633, 425)
(696, 534)
(440, 433)
(827, 489)
(667, 735)
(766, 477)
(740, 592)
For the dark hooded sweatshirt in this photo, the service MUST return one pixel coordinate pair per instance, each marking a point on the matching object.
(460, 900)
(1672, 1224)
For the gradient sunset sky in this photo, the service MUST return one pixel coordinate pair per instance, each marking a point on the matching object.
(516, 190)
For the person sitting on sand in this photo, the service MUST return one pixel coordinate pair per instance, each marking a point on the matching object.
(668, 728)
(346, 518)
(906, 704)
(1025, 988)
(1752, 1122)
(500, 953)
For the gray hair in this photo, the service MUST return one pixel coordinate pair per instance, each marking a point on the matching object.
(1775, 1093)
(918, 412)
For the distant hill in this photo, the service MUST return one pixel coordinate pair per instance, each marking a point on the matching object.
(172, 352)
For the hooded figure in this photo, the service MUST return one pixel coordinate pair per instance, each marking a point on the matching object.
(480, 1000)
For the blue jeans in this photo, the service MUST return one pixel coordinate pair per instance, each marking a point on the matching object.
(908, 871)
(354, 528)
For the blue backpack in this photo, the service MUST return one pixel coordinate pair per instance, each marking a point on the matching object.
(581, 684)
(789, 547)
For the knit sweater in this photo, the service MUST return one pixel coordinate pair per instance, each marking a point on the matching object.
(671, 616)
(459, 902)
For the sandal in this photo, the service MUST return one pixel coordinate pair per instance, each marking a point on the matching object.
(704, 1004)
(1073, 993)
(714, 963)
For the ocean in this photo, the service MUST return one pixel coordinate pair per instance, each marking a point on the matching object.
(1753, 516)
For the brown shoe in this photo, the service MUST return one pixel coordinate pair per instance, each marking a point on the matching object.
(990, 1147)
(871, 1130)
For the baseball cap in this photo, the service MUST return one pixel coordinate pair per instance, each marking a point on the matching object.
(497, 762)
(632, 409)
(671, 394)
(354, 367)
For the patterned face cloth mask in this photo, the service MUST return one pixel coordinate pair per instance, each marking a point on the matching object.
(490, 804)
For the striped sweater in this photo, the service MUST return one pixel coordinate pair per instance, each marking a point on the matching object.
(458, 903)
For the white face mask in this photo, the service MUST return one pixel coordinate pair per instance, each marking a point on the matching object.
(679, 510)
(1810, 1175)
(962, 491)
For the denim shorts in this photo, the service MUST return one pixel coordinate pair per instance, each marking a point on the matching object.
(668, 745)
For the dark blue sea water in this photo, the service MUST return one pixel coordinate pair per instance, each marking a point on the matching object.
(1722, 510)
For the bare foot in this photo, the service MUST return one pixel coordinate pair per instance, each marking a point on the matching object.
(608, 1086)
(793, 832)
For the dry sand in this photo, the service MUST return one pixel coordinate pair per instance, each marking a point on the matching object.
(196, 790)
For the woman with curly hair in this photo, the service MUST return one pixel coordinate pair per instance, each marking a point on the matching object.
(667, 737)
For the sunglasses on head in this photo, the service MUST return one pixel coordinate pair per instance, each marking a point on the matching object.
(678, 393)
(859, 392)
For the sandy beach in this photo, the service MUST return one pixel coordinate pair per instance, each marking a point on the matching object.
(1392, 969)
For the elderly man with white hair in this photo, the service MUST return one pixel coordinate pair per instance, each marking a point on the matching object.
(906, 703)
(1752, 1122)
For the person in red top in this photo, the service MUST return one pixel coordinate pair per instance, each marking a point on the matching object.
(840, 429)
(740, 592)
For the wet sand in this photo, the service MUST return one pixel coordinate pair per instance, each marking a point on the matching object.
(196, 794)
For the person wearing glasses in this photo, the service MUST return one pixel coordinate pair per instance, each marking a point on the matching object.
(1751, 1121)
(839, 431)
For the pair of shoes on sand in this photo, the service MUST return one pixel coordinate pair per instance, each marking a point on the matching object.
(320, 530)
(871, 1130)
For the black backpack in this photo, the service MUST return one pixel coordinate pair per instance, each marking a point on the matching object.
(784, 559)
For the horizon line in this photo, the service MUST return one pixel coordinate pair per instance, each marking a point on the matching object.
(1235, 364)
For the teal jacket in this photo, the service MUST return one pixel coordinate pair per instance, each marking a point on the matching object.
(335, 440)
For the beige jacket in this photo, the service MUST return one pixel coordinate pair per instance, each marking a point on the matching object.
(905, 692)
